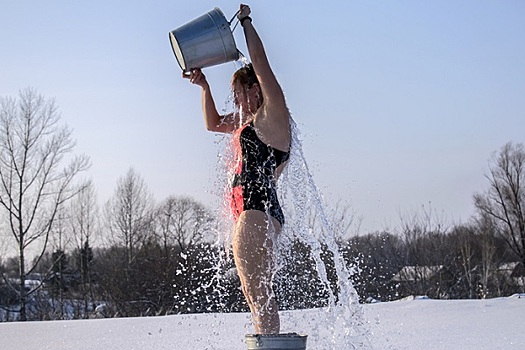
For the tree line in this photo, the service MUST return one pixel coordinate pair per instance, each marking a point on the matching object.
(137, 257)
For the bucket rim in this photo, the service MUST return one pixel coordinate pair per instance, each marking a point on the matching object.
(283, 335)
(291, 341)
(176, 51)
(224, 51)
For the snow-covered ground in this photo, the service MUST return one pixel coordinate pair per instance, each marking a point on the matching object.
(406, 324)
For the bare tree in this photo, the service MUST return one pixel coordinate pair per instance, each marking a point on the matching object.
(422, 232)
(83, 217)
(346, 223)
(424, 235)
(129, 213)
(504, 200)
(33, 183)
(182, 221)
(84, 226)
(182, 227)
(488, 251)
(466, 246)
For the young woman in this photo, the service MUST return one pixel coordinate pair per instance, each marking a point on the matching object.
(261, 132)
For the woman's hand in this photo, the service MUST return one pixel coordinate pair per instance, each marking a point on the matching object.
(244, 11)
(196, 77)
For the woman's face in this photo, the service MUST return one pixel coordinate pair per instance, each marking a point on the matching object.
(246, 99)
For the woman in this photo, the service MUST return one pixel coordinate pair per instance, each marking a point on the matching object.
(261, 131)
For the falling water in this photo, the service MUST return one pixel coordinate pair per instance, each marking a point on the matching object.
(310, 271)
(241, 62)
(307, 254)
(308, 224)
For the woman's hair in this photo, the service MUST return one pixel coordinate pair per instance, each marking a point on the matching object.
(245, 76)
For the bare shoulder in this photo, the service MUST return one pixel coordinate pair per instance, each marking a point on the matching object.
(273, 127)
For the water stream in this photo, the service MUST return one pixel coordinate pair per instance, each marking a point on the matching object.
(310, 271)
(310, 228)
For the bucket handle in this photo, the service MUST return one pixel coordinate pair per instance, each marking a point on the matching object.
(231, 20)
(235, 26)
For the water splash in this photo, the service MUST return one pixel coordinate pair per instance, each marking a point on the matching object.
(310, 271)
(241, 62)
(308, 226)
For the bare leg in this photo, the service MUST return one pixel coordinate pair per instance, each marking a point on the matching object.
(252, 251)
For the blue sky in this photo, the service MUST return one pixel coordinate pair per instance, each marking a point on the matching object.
(400, 103)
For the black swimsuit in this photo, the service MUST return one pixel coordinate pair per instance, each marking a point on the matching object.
(253, 186)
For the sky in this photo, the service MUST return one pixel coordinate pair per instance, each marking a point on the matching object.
(400, 103)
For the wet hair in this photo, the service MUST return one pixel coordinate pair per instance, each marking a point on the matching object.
(245, 76)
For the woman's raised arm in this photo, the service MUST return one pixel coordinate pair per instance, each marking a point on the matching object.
(212, 119)
(271, 90)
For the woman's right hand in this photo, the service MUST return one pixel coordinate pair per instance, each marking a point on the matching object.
(196, 77)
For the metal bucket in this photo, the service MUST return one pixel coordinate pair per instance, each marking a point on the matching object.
(206, 41)
(288, 341)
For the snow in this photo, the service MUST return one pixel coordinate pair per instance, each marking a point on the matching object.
(412, 323)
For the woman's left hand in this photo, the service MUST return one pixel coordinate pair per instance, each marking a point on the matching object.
(244, 11)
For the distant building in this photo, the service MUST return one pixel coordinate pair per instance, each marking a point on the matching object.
(417, 273)
(514, 271)
(421, 280)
